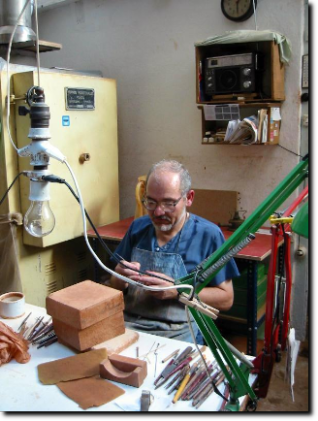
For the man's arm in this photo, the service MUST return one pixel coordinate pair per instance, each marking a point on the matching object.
(220, 296)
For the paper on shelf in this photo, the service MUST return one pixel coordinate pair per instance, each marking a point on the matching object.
(245, 132)
(231, 127)
(221, 112)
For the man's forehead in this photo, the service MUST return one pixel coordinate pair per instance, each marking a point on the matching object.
(164, 181)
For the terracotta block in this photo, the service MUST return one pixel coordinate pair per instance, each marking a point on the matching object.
(83, 339)
(119, 343)
(84, 304)
(126, 370)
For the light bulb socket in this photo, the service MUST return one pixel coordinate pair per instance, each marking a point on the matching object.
(37, 173)
(39, 133)
(39, 191)
(39, 111)
(40, 153)
(40, 115)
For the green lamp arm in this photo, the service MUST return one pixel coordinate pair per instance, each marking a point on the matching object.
(237, 376)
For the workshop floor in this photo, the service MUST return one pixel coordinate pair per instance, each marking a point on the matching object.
(279, 398)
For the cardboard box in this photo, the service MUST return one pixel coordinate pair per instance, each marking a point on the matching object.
(274, 125)
(84, 304)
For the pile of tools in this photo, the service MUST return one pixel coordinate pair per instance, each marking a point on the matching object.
(40, 332)
(190, 378)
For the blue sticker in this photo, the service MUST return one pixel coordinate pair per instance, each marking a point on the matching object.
(66, 120)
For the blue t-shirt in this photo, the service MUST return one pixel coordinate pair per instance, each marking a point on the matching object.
(197, 240)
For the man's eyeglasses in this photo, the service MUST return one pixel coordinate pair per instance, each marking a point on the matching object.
(168, 206)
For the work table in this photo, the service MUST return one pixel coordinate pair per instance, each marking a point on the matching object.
(23, 391)
(257, 250)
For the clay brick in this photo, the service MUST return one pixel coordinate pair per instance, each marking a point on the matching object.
(84, 304)
(83, 339)
(124, 370)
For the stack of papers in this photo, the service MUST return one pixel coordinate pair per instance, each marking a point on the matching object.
(242, 132)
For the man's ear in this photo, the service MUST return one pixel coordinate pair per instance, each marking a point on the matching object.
(189, 198)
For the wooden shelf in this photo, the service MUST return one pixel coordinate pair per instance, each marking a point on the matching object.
(214, 126)
(268, 94)
(44, 46)
(271, 78)
(244, 104)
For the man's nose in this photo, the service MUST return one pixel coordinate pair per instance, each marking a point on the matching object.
(158, 210)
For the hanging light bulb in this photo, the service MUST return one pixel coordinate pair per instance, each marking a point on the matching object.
(39, 219)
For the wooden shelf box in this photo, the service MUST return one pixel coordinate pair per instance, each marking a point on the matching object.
(271, 78)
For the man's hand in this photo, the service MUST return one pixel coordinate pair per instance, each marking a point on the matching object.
(127, 269)
(124, 271)
(149, 280)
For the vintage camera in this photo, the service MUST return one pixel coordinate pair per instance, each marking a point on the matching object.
(234, 74)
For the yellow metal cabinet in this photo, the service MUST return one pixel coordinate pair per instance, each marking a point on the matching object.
(91, 132)
(61, 258)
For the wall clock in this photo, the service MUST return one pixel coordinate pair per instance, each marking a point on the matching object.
(238, 10)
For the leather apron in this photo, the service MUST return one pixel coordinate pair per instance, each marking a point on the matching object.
(159, 317)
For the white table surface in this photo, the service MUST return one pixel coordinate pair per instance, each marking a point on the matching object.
(21, 389)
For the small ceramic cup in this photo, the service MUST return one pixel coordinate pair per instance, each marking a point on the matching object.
(12, 305)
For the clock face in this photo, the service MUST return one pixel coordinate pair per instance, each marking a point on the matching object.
(238, 10)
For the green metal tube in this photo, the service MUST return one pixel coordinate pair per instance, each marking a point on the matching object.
(235, 375)
(255, 220)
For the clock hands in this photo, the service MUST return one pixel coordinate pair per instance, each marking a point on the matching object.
(237, 6)
(238, 10)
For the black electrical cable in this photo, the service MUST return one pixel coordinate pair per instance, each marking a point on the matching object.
(55, 179)
(6, 193)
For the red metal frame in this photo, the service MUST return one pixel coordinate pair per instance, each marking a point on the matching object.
(276, 331)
